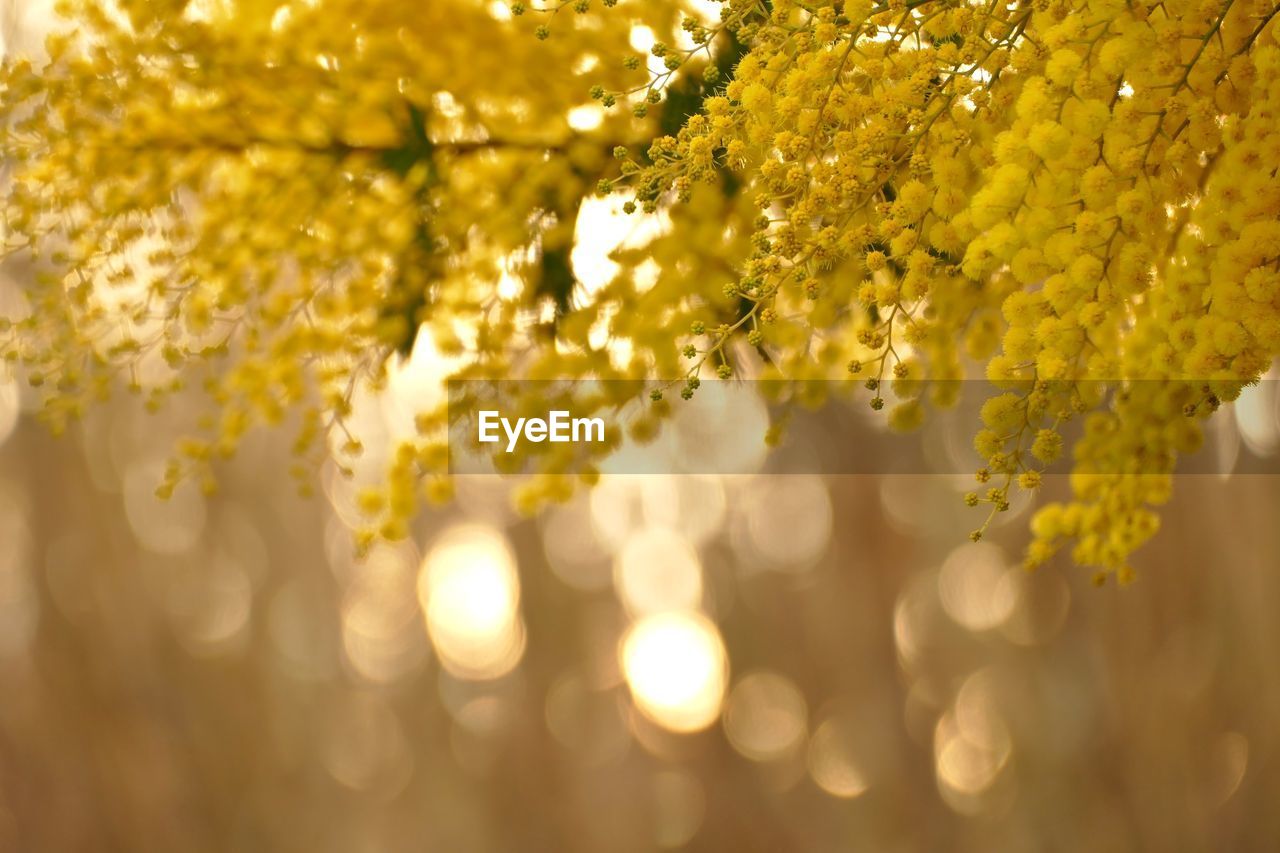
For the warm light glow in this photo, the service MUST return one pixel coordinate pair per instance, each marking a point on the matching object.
(658, 570)
(380, 631)
(642, 38)
(966, 768)
(1257, 415)
(832, 762)
(676, 667)
(585, 118)
(971, 744)
(470, 593)
(971, 589)
(914, 618)
(789, 524)
(8, 407)
(766, 716)
(603, 228)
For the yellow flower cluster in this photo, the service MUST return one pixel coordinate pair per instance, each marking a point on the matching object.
(266, 200)
(1081, 193)
(1075, 200)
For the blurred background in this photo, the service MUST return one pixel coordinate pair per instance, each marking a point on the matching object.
(756, 662)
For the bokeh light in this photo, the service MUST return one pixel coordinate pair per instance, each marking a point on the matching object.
(656, 570)
(766, 717)
(788, 525)
(676, 666)
(833, 760)
(973, 588)
(8, 407)
(470, 593)
(381, 633)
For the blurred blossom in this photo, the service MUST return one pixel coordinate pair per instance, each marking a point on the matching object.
(171, 526)
(973, 588)
(765, 717)
(13, 301)
(470, 593)
(381, 633)
(415, 384)
(676, 666)
(344, 473)
(833, 760)
(116, 294)
(341, 492)
(657, 570)
(381, 419)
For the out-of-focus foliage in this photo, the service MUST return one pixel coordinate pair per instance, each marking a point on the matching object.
(267, 200)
